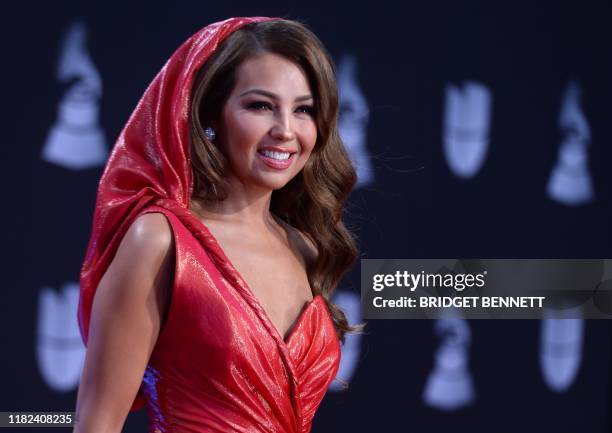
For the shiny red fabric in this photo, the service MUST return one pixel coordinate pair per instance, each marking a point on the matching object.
(219, 364)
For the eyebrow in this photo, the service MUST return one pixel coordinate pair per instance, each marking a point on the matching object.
(274, 95)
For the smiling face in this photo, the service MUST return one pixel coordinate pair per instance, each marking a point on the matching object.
(267, 128)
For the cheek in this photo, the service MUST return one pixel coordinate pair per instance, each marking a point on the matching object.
(244, 131)
(309, 137)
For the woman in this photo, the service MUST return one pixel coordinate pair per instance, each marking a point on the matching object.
(218, 240)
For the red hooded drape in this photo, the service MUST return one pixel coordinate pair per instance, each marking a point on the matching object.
(150, 162)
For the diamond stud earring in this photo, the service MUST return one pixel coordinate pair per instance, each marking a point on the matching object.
(210, 133)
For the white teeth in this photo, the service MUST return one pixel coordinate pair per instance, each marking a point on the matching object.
(276, 155)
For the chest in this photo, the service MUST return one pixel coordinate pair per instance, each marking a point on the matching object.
(274, 270)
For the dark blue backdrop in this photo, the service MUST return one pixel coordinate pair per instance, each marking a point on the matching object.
(525, 55)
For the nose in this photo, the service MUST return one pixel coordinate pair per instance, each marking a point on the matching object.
(282, 129)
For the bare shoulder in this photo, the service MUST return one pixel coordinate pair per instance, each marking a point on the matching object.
(150, 230)
(143, 261)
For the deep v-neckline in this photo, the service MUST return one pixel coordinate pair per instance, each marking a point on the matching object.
(285, 340)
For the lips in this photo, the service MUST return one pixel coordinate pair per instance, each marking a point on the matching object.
(275, 157)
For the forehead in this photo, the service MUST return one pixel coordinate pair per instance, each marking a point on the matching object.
(273, 73)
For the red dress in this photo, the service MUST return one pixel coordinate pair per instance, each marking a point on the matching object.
(220, 365)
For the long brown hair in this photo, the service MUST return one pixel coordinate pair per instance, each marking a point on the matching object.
(313, 200)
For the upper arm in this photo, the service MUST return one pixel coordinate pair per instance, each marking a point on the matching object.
(126, 317)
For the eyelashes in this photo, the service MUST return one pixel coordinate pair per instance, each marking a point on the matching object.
(308, 109)
(263, 105)
(259, 106)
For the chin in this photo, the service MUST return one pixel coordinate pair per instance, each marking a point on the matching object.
(274, 186)
(274, 183)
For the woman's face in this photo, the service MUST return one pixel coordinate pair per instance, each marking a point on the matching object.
(267, 127)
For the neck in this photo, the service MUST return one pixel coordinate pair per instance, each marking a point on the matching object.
(244, 204)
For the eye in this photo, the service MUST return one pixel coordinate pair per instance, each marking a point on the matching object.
(308, 109)
(259, 106)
